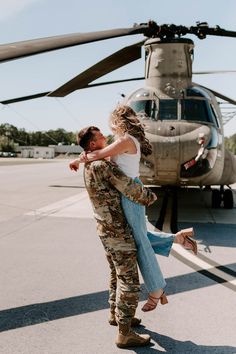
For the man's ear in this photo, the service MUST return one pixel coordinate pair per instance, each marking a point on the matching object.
(92, 145)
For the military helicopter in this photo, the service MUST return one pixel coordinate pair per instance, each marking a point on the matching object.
(183, 120)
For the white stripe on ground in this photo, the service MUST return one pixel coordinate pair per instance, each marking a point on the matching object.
(203, 265)
(78, 206)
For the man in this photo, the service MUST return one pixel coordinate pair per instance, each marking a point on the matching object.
(104, 181)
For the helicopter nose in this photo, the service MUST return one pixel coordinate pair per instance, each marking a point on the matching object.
(178, 151)
(201, 157)
(191, 141)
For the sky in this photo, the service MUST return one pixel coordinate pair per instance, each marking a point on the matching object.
(30, 19)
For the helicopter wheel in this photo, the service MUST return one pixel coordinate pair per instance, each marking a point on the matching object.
(228, 199)
(216, 199)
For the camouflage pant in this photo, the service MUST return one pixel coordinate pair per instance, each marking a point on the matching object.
(124, 284)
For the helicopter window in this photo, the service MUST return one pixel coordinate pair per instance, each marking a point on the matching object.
(147, 109)
(195, 92)
(195, 110)
(214, 139)
(141, 93)
(168, 109)
(214, 116)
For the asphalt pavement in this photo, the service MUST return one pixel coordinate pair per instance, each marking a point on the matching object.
(54, 275)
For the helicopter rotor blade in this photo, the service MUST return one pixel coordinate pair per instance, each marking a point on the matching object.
(214, 72)
(24, 98)
(202, 30)
(26, 48)
(218, 94)
(45, 94)
(116, 60)
(23, 49)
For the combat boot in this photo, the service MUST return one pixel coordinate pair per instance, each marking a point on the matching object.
(127, 338)
(112, 320)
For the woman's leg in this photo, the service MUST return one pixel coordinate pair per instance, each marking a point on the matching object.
(149, 267)
(161, 242)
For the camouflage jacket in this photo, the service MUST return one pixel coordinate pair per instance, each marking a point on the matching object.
(103, 181)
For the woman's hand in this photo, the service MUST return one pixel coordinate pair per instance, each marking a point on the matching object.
(83, 157)
(74, 165)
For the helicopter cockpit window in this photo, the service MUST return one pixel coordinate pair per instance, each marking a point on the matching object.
(197, 110)
(147, 109)
(194, 110)
(168, 109)
(201, 109)
(142, 93)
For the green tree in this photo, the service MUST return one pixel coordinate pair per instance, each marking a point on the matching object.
(230, 144)
(9, 135)
(110, 139)
(7, 132)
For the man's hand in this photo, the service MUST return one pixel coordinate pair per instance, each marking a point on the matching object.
(74, 165)
(154, 198)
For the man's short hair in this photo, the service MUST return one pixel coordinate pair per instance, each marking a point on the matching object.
(85, 135)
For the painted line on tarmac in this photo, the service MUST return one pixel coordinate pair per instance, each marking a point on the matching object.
(217, 265)
(205, 266)
(77, 206)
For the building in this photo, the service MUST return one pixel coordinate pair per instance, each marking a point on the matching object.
(37, 152)
(48, 152)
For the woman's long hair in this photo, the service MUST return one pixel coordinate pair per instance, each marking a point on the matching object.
(124, 120)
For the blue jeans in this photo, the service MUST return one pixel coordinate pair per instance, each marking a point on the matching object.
(161, 242)
(147, 261)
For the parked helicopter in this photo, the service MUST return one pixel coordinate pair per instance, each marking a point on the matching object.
(183, 119)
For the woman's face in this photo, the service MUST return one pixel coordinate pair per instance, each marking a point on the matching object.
(114, 131)
(113, 127)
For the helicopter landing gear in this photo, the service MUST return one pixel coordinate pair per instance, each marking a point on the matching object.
(225, 196)
(216, 199)
(228, 199)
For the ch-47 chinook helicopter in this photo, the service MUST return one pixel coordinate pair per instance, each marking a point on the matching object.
(183, 119)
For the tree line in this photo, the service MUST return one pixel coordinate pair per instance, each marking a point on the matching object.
(230, 144)
(10, 136)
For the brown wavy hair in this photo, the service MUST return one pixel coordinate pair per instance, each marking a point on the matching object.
(124, 120)
(85, 135)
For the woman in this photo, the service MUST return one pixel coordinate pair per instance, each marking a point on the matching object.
(125, 151)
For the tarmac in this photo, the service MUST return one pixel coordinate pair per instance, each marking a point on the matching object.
(54, 275)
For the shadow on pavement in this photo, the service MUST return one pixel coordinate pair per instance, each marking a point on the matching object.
(214, 234)
(49, 311)
(174, 346)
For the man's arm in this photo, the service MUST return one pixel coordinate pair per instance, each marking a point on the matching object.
(127, 186)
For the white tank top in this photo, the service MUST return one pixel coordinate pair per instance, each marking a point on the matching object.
(129, 163)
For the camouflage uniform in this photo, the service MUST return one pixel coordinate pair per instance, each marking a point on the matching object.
(103, 182)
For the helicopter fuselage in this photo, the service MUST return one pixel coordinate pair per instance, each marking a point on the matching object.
(183, 121)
